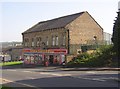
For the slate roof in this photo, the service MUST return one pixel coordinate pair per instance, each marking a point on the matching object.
(54, 23)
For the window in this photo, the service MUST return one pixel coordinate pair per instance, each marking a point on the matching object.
(56, 40)
(47, 41)
(33, 42)
(26, 42)
(64, 40)
(38, 39)
(95, 37)
(53, 40)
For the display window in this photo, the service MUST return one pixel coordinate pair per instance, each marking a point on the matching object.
(48, 57)
(62, 58)
(38, 59)
(32, 59)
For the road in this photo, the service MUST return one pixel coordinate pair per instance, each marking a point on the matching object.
(55, 77)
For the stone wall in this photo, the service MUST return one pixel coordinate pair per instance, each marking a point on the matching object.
(84, 29)
(81, 30)
(48, 33)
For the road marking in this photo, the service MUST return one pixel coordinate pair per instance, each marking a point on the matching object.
(30, 78)
(95, 79)
(91, 72)
(55, 74)
(7, 81)
(11, 70)
(27, 71)
(44, 73)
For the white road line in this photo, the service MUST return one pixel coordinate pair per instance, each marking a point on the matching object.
(95, 79)
(55, 74)
(28, 71)
(30, 78)
(45, 73)
(7, 81)
(91, 72)
(11, 70)
(67, 74)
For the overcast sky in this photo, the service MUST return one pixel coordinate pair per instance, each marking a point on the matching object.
(17, 15)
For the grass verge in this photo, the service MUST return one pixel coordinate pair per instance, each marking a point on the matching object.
(11, 63)
(4, 87)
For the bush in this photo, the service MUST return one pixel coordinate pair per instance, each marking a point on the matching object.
(103, 56)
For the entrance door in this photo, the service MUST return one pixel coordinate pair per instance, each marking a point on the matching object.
(51, 59)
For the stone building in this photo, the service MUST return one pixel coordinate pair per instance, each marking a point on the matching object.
(61, 37)
(14, 52)
(107, 38)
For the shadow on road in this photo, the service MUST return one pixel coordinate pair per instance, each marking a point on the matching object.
(64, 82)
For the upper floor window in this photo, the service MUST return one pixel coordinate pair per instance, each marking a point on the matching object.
(33, 44)
(26, 42)
(95, 37)
(38, 40)
(53, 40)
(63, 40)
(56, 40)
(47, 41)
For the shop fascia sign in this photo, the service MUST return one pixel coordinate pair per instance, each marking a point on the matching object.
(45, 51)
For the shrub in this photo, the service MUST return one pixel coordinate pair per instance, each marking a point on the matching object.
(101, 57)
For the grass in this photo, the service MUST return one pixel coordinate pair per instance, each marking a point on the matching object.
(4, 87)
(11, 63)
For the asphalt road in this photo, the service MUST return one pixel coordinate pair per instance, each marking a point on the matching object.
(55, 77)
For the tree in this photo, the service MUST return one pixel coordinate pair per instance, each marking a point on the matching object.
(116, 35)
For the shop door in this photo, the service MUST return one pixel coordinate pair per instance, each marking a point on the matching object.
(51, 59)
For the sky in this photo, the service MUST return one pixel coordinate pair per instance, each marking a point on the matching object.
(16, 16)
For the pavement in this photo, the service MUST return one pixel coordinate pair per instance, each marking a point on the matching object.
(64, 68)
(90, 69)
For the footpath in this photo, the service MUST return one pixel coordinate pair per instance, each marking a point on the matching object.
(91, 69)
(64, 68)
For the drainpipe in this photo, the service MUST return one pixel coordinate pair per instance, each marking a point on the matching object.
(68, 41)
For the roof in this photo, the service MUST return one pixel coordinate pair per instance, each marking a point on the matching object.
(54, 23)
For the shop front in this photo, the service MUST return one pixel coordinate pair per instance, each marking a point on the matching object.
(44, 57)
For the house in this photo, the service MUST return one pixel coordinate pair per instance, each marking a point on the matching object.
(107, 38)
(15, 53)
(60, 38)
